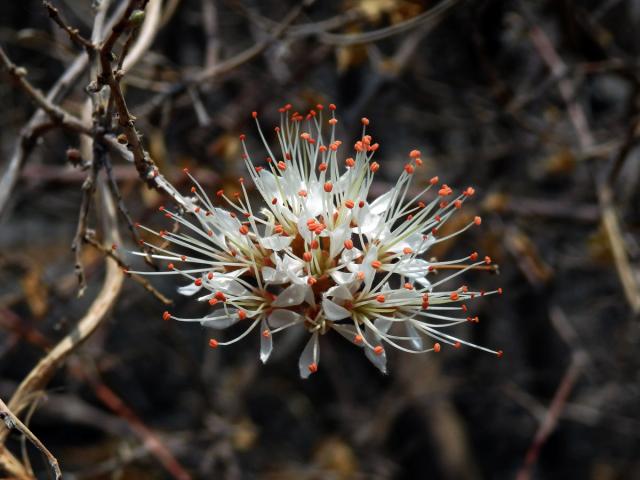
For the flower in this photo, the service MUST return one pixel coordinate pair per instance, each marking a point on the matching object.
(319, 255)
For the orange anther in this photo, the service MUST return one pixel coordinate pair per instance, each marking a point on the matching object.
(311, 281)
(445, 190)
(414, 153)
(213, 301)
(350, 162)
(243, 229)
(375, 166)
(314, 244)
(454, 296)
(213, 343)
(456, 345)
(360, 275)
(332, 106)
(349, 204)
(198, 282)
(328, 187)
(376, 264)
(407, 251)
(365, 121)
(473, 257)
(220, 296)
(282, 165)
(499, 353)
(434, 180)
(500, 291)
(487, 260)
(380, 298)
(307, 256)
(333, 121)
(302, 193)
(266, 333)
(166, 316)
(242, 314)
(348, 244)
(357, 339)
(408, 286)
(378, 350)
(408, 168)
(477, 220)
(469, 191)
(322, 167)
(436, 347)
(313, 367)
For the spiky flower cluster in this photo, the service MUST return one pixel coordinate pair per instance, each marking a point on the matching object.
(319, 255)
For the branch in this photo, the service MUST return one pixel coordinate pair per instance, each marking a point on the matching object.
(73, 33)
(11, 421)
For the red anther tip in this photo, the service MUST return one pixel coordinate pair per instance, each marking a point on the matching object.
(487, 260)
(313, 367)
(333, 121)
(434, 180)
(166, 316)
(213, 301)
(378, 350)
(349, 204)
(114, 246)
(220, 193)
(454, 296)
(314, 244)
(332, 106)
(243, 229)
(408, 168)
(348, 244)
(499, 353)
(242, 314)
(220, 296)
(213, 343)
(170, 266)
(407, 251)
(311, 281)
(198, 282)
(456, 345)
(477, 220)
(365, 121)
(436, 347)
(414, 153)
(254, 114)
(473, 257)
(242, 137)
(307, 256)
(376, 264)
(185, 170)
(500, 291)
(357, 339)
(375, 166)
(266, 333)
(328, 187)
(380, 298)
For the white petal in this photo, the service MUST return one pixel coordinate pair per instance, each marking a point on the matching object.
(347, 331)
(342, 278)
(338, 236)
(412, 333)
(310, 356)
(333, 311)
(412, 268)
(382, 203)
(380, 361)
(290, 296)
(219, 322)
(276, 242)
(339, 292)
(190, 289)
(266, 341)
(280, 318)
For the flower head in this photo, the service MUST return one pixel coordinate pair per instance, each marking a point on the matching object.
(319, 255)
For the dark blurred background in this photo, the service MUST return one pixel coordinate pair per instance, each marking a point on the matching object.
(534, 103)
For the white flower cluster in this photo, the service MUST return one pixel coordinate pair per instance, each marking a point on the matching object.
(319, 256)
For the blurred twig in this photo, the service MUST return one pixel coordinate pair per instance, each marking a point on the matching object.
(11, 422)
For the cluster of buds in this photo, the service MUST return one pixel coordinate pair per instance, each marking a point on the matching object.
(319, 255)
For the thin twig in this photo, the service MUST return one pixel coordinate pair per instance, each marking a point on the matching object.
(109, 252)
(73, 33)
(11, 421)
